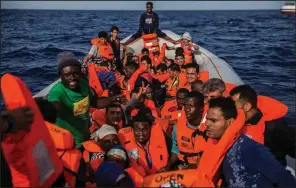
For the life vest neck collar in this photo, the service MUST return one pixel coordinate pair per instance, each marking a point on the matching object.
(254, 120)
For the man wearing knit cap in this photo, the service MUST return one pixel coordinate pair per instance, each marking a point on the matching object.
(71, 96)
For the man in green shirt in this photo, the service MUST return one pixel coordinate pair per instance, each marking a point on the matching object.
(72, 97)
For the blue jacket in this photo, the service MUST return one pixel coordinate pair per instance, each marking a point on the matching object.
(250, 164)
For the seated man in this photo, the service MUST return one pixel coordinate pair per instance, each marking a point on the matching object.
(149, 23)
(161, 69)
(102, 140)
(189, 135)
(171, 110)
(100, 50)
(145, 142)
(213, 88)
(172, 83)
(73, 97)
(247, 163)
(274, 132)
(187, 45)
(192, 74)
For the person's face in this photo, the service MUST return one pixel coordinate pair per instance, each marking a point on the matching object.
(70, 77)
(135, 59)
(114, 116)
(142, 132)
(118, 159)
(212, 95)
(240, 104)
(129, 72)
(145, 64)
(168, 63)
(180, 98)
(196, 87)
(114, 33)
(149, 8)
(180, 60)
(172, 73)
(160, 72)
(103, 41)
(149, 93)
(108, 141)
(192, 110)
(216, 124)
(186, 42)
(191, 75)
(145, 53)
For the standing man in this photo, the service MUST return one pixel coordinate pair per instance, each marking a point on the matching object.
(115, 44)
(149, 23)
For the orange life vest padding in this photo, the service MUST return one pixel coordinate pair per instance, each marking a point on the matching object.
(131, 82)
(94, 81)
(204, 76)
(71, 161)
(157, 148)
(135, 176)
(27, 152)
(267, 104)
(92, 147)
(256, 132)
(215, 152)
(151, 42)
(229, 87)
(106, 51)
(187, 53)
(95, 41)
(184, 177)
(62, 138)
(188, 144)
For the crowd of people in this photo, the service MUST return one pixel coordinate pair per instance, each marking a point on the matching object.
(140, 115)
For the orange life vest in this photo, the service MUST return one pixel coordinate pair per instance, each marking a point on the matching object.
(214, 153)
(187, 53)
(266, 106)
(135, 176)
(106, 51)
(229, 87)
(172, 86)
(92, 161)
(151, 42)
(31, 156)
(184, 177)
(169, 112)
(191, 142)
(69, 157)
(150, 104)
(94, 81)
(156, 148)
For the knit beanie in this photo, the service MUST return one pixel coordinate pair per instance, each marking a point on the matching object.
(66, 59)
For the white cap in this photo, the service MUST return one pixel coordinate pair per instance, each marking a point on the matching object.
(186, 36)
(102, 132)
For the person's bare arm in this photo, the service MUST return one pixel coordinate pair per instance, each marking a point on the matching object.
(87, 58)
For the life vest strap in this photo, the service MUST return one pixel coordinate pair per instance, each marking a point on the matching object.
(187, 154)
(70, 171)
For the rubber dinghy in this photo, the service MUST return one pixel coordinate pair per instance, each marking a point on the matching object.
(207, 61)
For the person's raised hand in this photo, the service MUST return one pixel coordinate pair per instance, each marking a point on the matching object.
(22, 118)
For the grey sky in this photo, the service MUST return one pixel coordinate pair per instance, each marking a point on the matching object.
(140, 5)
